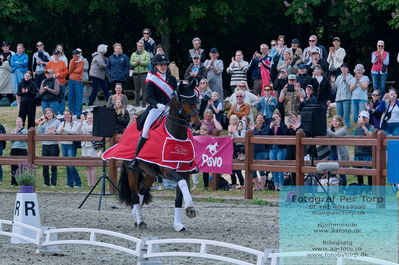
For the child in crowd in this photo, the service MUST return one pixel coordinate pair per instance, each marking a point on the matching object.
(18, 148)
(236, 128)
(233, 122)
(216, 106)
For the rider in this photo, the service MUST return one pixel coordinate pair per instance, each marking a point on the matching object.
(159, 91)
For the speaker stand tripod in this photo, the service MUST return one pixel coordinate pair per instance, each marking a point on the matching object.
(103, 179)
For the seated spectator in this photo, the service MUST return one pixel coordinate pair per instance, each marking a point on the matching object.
(321, 88)
(49, 90)
(309, 99)
(249, 98)
(241, 109)
(49, 125)
(307, 53)
(296, 52)
(290, 101)
(359, 87)
(196, 50)
(267, 105)
(343, 94)
(28, 93)
(87, 147)
(18, 148)
(363, 153)
(372, 106)
(339, 152)
(303, 78)
(118, 95)
(277, 152)
(261, 151)
(196, 70)
(215, 106)
(238, 70)
(122, 116)
(286, 62)
(68, 127)
(204, 97)
(335, 58)
(280, 83)
(390, 113)
(212, 125)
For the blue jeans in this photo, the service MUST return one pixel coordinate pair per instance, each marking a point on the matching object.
(392, 128)
(260, 156)
(97, 84)
(61, 106)
(17, 76)
(75, 97)
(278, 154)
(379, 82)
(52, 105)
(357, 106)
(344, 110)
(73, 177)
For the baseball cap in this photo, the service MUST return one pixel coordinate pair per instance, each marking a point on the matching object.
(345, 65)
(291, 77)
(56, 52)
(50, 71)
(214, 50)
(315, 52)
(5, 44)
(337, 38)
(302, 66)
(195, 56)
(364, 114)
(295, 41)
(76, 52)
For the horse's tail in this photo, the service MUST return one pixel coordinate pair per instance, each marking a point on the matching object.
(125, 194)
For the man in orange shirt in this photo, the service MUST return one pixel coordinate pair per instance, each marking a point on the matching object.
(241, 109)
(75, 86)
(60, 73)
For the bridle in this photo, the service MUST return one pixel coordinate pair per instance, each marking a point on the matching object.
(183, 118)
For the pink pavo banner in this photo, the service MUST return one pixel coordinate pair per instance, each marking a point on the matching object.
(214, 154)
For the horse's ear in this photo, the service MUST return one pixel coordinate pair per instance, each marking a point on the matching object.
(193, 84)
(180, 87)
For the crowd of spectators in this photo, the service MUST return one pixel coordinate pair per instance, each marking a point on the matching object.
(265, 94)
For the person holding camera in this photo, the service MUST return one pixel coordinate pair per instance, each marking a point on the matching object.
(390, 113)
(196, 70)
(39, 62)
(256, 64)
(379, 69)
(48, 125)
(290, 97)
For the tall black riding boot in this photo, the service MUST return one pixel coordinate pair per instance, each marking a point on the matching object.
(140, 144)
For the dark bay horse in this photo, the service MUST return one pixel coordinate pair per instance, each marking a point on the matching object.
(134, 187)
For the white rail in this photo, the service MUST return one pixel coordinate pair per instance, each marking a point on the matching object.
(35, 240)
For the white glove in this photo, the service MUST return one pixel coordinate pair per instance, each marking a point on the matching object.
(161, 106)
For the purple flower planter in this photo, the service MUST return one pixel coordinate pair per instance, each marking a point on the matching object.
(26, 189)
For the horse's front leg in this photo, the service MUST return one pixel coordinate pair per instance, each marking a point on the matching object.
(177, 222)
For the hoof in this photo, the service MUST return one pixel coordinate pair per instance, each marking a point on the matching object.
(179, 227)
(141, 225)
(190, 212)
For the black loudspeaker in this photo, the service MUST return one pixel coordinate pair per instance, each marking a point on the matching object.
(104, 122)
(314, 120)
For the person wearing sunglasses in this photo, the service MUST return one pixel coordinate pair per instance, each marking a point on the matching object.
(375, 116)
(39, 62)
(379, 69)
(149, 43)
(237, 69)
(307, 53)
(241, 109)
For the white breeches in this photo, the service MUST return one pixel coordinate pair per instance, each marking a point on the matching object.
(153, 115)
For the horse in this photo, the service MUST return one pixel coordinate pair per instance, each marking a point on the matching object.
(135, 187)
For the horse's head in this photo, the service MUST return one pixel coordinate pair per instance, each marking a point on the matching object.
(187, 100)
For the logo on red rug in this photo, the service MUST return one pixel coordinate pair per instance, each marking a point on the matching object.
(180, 151)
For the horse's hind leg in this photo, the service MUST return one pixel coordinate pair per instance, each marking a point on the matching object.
(136, 209)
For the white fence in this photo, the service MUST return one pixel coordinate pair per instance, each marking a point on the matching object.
(43, 238)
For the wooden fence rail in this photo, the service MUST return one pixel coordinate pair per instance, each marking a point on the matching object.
(376, 167)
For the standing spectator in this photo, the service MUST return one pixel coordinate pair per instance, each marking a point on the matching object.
(18, 148)
(237, 69)
(310, 98)
(2, 147)
(339, 152)
(280, 82)
(321, 87)
(343, 96)
(87, 147)
(5, 72)
(303, 78)
(39, 62)
(277, 53)
(214, 68)
(212, 125)
(267, 105)
(241, 109)
(359, 86)
(285, 63)
(196, 70)
(255, 67)
(204, 97)
(277, 152)
(372, 106)
(196, 50)
(335, 58)
(261, 151)
(62, 56)
(19, 65)
(75, 86)
(317, 61)
(149, 43)
(215, 106)
(379, 69)
(296, 53)
(139, 61)
(363, 153)
(60, 73)
(390, 113)
(49, 91)
(49, 125)
(68, 126)
(118, 66)
(97, 73)
(290, 100)
(85, 96)
(28, 92)
(122, 116)
(307, 53)
(118, 95)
